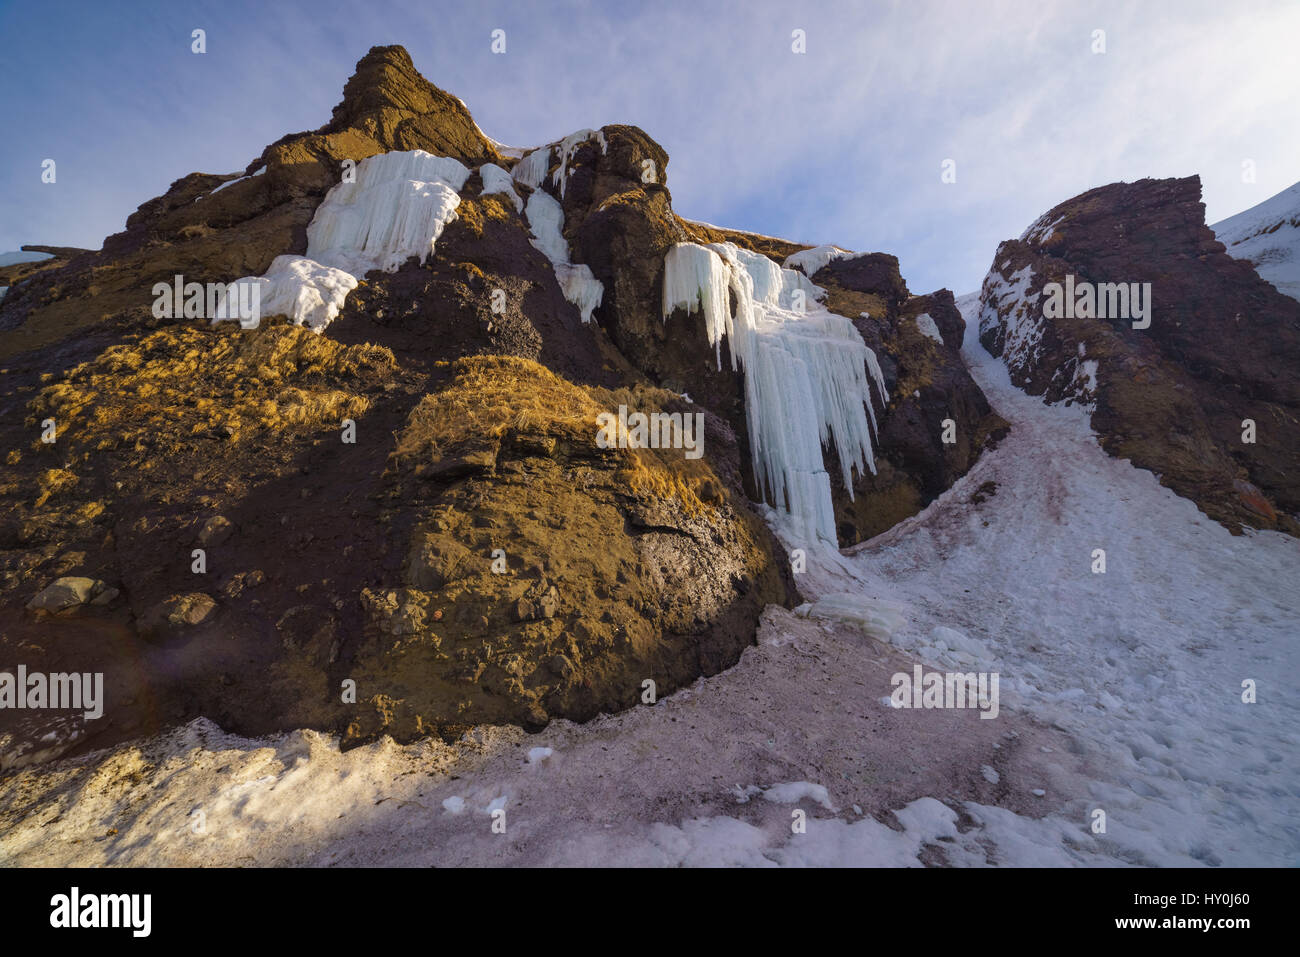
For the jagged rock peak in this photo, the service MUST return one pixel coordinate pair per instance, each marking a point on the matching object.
(388, 99)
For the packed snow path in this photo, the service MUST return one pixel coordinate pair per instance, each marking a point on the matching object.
(1143, 664)
(1139, 668)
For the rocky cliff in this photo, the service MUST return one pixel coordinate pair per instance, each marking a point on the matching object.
(403, 523)
(1203, 390)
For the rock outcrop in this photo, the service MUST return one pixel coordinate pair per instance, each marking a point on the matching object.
(1208, 395)
(404, 524)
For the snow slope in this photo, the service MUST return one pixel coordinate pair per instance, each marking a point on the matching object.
(1143, 664)
(1268, 236)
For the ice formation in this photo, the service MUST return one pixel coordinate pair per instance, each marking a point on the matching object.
(925, 322)
(531, 170)
(807, 372)
(811, 260)
(396, 209)
(546, 220)
(877, 617)
(498, 181)
(568, 146)
(311, 293)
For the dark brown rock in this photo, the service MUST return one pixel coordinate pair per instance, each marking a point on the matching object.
(1223, 346)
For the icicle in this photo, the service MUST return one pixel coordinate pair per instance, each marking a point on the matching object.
(568, 146)
(807, 373)
(531, 170)
(396, 209)
(580, 287)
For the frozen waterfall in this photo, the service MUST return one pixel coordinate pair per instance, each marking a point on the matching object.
(807, 372)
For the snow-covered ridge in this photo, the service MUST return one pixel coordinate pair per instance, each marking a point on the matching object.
(807, 372)
(1268, 237)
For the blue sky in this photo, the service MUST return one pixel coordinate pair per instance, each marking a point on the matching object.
(843, 144)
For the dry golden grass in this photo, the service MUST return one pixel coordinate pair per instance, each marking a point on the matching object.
(474, 212)
(492, 395)
(188, 380)
(52, 482)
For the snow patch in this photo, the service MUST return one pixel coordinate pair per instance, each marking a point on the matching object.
(258, 172)
(497, 181)
(792, 792)
(925, 322)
